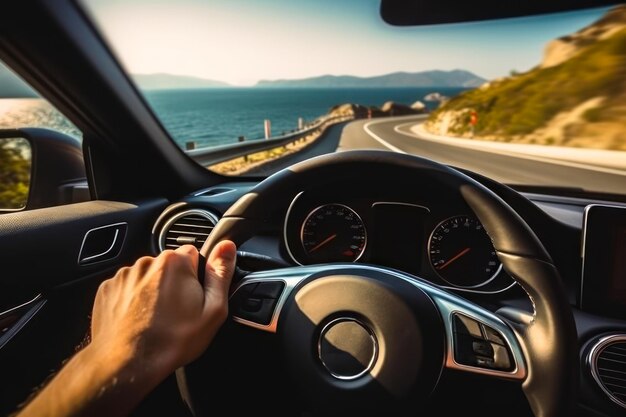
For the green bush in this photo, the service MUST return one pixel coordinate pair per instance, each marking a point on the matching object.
(15, 166)
(522, 104)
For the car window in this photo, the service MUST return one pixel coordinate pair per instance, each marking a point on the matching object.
(23, 107)
(249, 87)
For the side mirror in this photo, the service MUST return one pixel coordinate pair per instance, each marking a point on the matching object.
(15, 173)
(40, 168)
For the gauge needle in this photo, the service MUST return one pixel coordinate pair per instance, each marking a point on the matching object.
(454, 258)
(323, 242)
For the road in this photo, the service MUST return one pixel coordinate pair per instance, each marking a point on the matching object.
(395, 134)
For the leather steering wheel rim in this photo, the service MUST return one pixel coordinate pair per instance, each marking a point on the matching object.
(548, 338)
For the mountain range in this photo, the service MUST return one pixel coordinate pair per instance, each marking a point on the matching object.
(435, 78)
(13, 86)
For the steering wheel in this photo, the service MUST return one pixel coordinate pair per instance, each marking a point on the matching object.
(363, 337)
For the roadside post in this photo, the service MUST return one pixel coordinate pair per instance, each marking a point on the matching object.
(268, 128)
(473, 121)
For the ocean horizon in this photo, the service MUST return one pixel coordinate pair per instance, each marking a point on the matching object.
(218, 116)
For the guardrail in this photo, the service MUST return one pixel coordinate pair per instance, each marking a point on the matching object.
(216, 154)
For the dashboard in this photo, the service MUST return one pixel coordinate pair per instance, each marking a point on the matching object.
(442, 243)
(434, 237)
(420, 231)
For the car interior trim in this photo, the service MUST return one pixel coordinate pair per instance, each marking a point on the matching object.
(287, 215)
(366, 368)
(473, 291)
(592, 363)
(214, 191)
(93, 258)
(399, 203)
(30, 309)
(166, 227)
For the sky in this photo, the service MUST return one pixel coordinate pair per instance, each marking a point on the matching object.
(243, 41)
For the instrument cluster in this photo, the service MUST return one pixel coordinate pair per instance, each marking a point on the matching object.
(440, 243)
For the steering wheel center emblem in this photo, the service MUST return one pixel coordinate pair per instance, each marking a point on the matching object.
(347, 348)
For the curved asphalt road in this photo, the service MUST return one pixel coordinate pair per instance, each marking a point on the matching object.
(394, 134)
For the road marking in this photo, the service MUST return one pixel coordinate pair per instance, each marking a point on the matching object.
(382, 141)
(511, 154)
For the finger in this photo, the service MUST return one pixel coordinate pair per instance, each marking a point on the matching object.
(190, 252)
(220, 268)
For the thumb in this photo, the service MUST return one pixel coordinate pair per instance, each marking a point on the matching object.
(219, 271)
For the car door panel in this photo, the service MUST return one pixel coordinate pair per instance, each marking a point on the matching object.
(46, 293)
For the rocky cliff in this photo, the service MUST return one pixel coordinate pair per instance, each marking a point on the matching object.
(575, 97)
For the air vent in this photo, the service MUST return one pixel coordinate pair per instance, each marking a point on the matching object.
(188, 227)
(607, 359)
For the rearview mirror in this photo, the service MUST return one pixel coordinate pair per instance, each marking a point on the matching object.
(15, 173)
(428, 12)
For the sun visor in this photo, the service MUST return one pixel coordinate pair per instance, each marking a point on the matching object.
(429, 12)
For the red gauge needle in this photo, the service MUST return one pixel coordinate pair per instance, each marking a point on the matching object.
(454, 258)
(323, 242)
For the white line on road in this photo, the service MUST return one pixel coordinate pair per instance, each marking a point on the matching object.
(469, 145)
(382, 141)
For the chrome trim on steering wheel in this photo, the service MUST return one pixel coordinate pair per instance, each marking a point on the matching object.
(290, 276)
(448, 304)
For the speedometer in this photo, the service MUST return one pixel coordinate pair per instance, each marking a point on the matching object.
(333, 233)
(462, 254)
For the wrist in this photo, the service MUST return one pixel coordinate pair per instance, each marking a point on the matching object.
(123, 364)
(101, 380)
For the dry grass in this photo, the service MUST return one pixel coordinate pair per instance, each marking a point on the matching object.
(241, 165)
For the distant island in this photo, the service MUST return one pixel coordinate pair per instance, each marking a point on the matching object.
(162, 81)
(435, 78)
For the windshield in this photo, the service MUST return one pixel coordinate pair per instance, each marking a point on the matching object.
(249, 87)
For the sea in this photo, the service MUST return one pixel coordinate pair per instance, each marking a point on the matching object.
(211, 117)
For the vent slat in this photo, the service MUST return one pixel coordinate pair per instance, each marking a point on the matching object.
(191, 230)
(610, 365)
(181, 232)
(617, 388)
(613, 360)
(174, 239)
(615, 379)
(611, 370)
(194, 226)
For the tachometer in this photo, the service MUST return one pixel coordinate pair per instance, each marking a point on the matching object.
(333, 233)
(462, 254)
